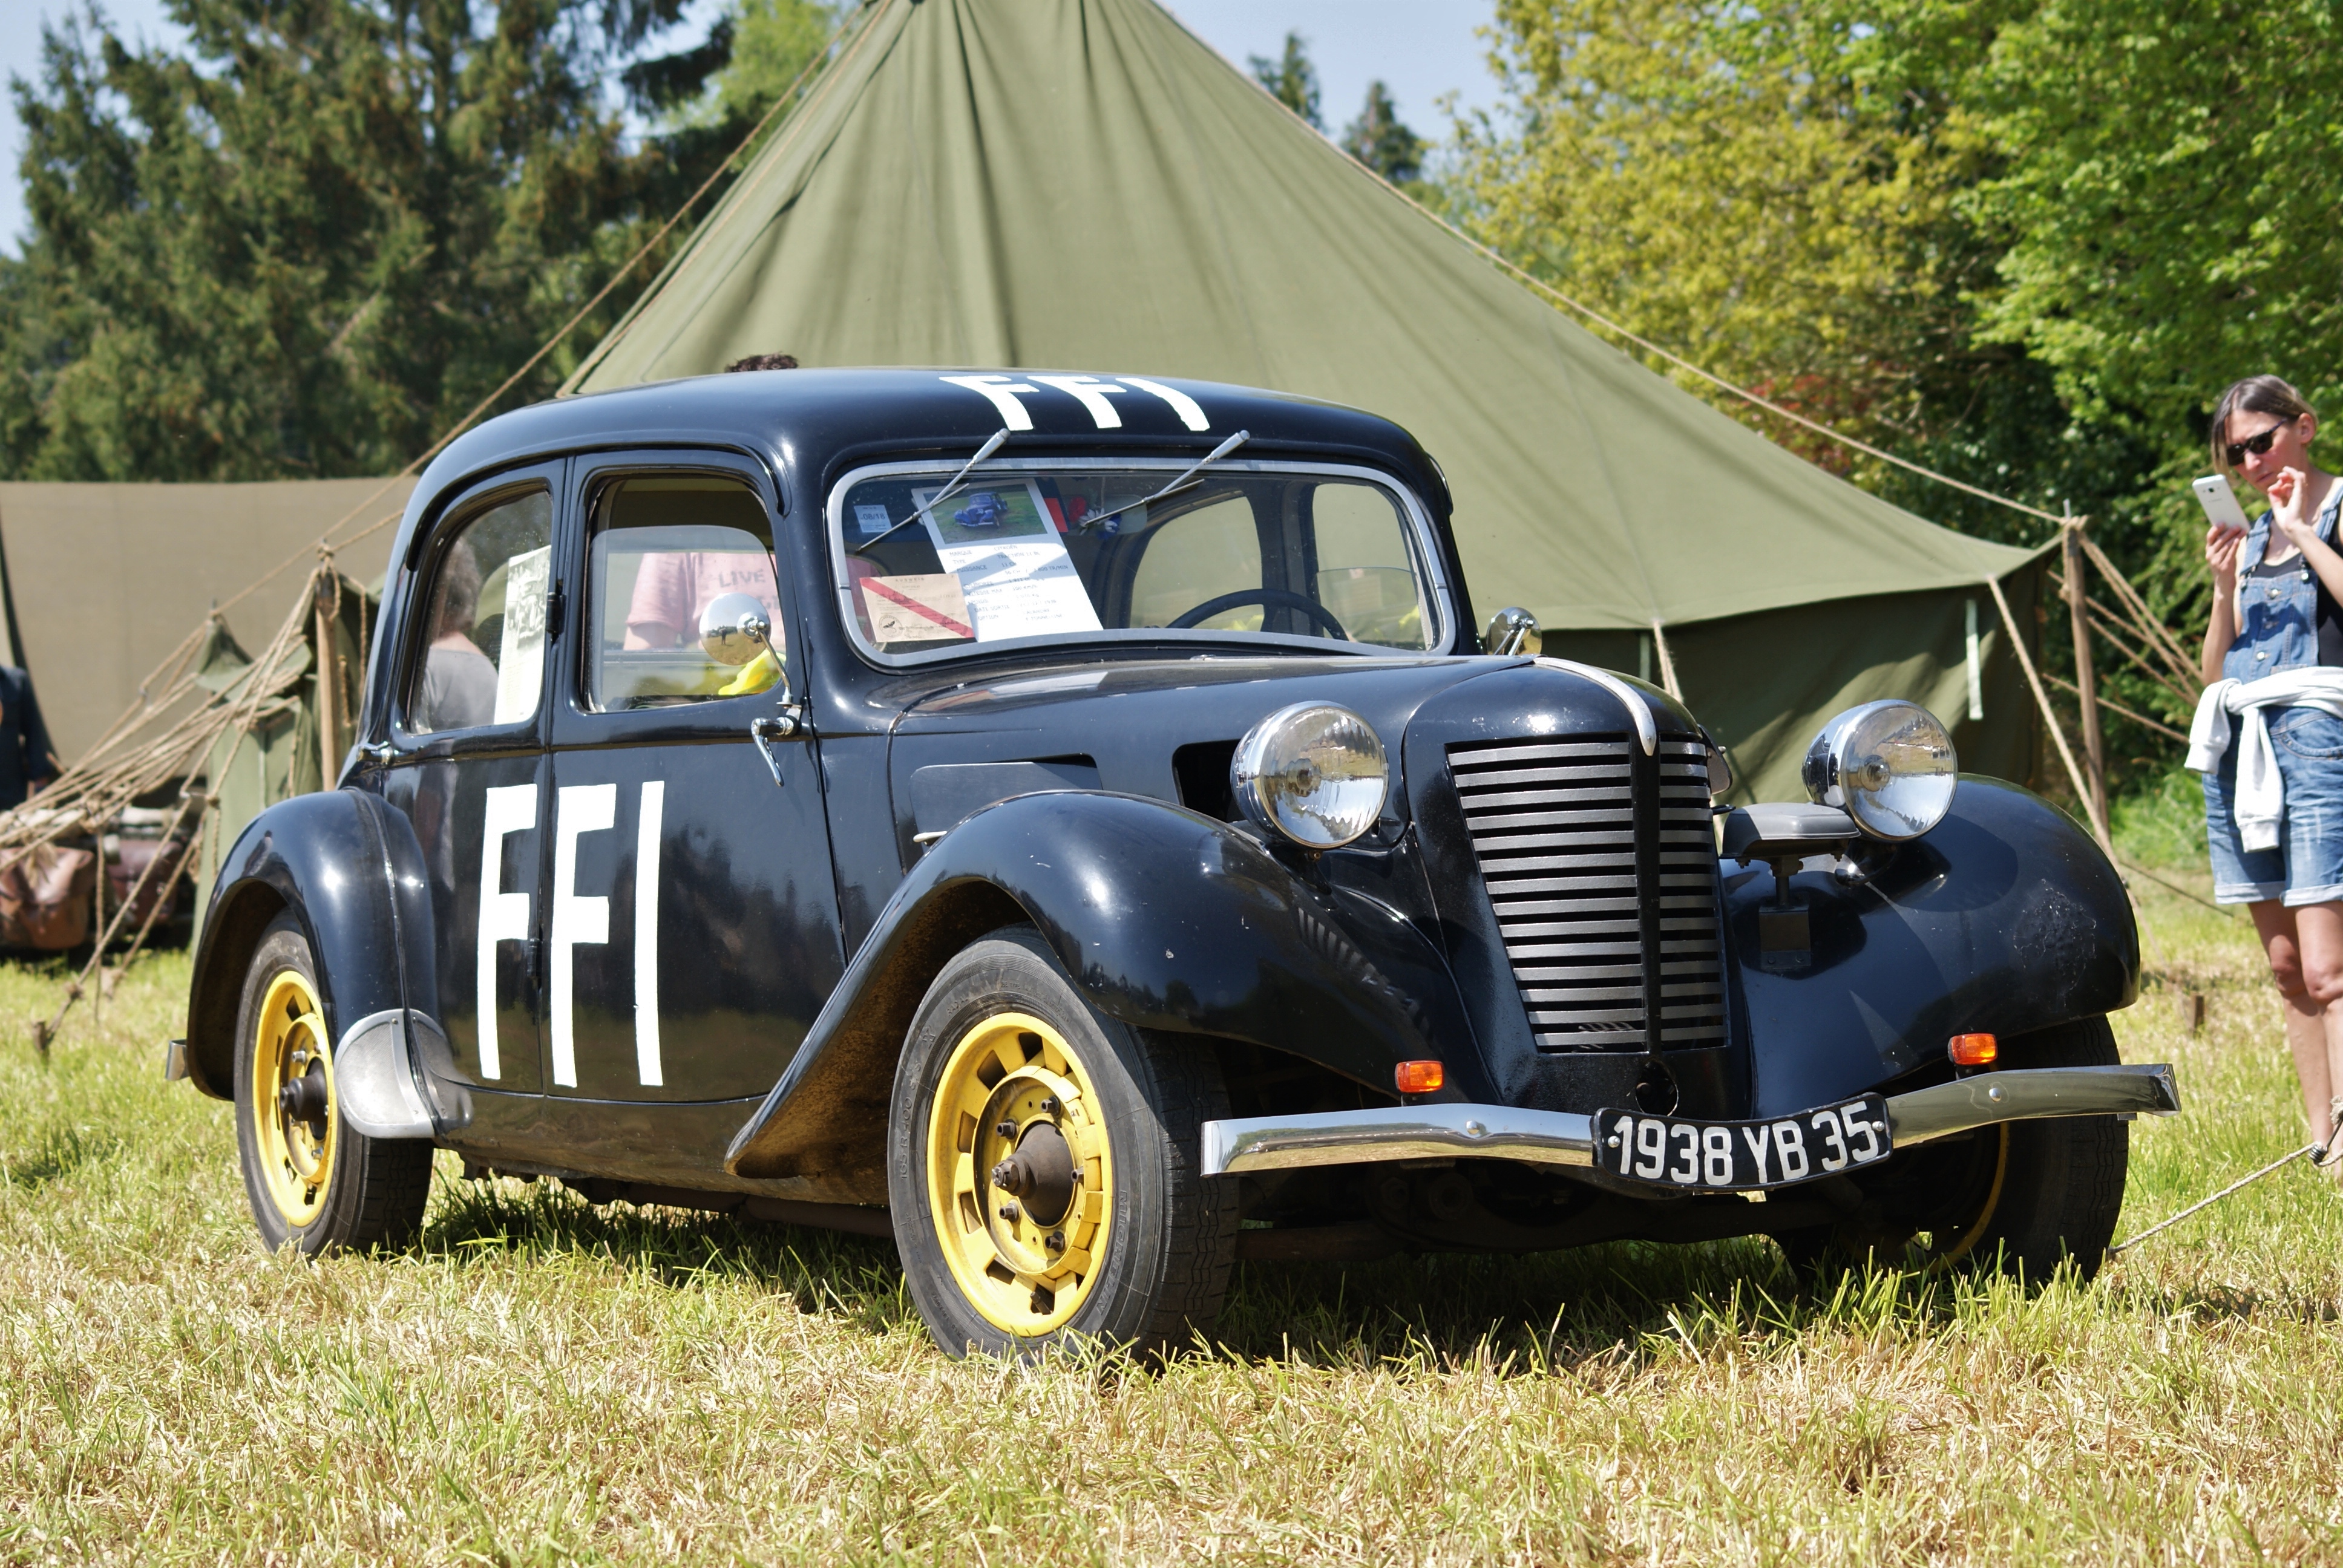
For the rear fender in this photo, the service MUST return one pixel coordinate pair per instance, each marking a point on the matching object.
(2004, 919)
(350, 871)
(1166, 921)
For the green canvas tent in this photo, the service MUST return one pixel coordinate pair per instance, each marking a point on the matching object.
(1082, 184)
(104, 580)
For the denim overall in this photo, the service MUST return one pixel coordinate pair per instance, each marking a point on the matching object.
(2278, 629)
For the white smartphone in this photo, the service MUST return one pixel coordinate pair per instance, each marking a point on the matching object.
(2220, 503)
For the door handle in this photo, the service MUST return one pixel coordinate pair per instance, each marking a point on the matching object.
(769, 728)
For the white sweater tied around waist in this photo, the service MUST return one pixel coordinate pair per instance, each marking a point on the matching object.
(2259, 800)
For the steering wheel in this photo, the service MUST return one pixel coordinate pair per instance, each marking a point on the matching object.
(1268, 599)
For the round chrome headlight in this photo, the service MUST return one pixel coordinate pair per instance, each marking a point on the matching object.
(1314, 772)
(1888, 764)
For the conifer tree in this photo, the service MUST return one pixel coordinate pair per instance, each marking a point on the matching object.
(310, 242)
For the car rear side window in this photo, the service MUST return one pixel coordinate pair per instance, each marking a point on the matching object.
(685, 604)
(482, 660)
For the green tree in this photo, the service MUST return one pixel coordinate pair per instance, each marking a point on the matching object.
(2169, 201)
(313, 242)
(1291, 78)
(1377, 139)
(1721, 181)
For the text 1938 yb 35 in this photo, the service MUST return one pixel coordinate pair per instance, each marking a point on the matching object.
(1736, 1156)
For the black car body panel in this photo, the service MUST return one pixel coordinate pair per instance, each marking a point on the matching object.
(1249, 951)
(658, 951)
(2004, 919)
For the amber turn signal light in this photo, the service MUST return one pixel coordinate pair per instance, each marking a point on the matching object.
(1424, 1077)
(1974, 1050)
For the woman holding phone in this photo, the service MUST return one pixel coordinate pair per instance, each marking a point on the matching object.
(2268, 733)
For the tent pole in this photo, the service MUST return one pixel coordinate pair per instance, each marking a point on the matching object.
(329, 672)
(2042, 700)
(1668, 665)
(2095, 750)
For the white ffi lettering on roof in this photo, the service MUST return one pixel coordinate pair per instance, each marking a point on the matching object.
(579, 808)
(647, 902)
(1000, 392)
(1191, 412)
(1092, 394)
(504, 916)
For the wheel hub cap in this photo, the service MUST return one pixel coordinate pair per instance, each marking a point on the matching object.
(293, 1098)
(1020, 1173)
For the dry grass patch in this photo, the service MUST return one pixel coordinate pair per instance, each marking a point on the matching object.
(543, 1382)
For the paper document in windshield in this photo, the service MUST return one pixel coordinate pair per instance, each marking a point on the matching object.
(1012, 568)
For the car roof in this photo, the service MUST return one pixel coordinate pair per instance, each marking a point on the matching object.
(811, 423)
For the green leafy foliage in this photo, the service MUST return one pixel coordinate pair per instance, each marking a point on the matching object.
(311, 243)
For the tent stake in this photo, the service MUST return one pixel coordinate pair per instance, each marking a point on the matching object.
(2042, 700)
(2095, 751)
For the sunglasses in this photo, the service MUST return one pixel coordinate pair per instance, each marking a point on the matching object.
(2236, 450)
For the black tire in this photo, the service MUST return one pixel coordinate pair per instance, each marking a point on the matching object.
(367, 1192)
(1171, 1241)
(2020, 1200)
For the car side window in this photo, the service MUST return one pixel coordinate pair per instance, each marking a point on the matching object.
(482, 660)
(685, 605)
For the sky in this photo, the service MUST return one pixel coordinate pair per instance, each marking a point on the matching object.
(1421, 49)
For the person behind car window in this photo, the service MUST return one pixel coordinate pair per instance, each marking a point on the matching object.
(674, 587)
(2272, 661)
(26, 760)
(458, 688)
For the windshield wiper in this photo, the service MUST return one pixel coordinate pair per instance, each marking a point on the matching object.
(1185, 482)
(999, 438)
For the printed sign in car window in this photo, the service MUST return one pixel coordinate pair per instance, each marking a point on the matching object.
(1013, 570)
(520, 664)
(928, 608)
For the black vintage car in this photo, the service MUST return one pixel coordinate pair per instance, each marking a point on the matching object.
(1066, 823)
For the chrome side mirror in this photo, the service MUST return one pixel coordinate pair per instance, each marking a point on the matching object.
(733, 629)
(1513, 631)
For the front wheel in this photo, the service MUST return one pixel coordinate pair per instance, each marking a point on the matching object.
(2020, 1197)
(1041, 1165)
(312, 1181)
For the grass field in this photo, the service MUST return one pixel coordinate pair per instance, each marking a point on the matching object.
(544, 1383)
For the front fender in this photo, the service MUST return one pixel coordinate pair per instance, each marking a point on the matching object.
(1165, 920)
(2004, 919)
(348, 868)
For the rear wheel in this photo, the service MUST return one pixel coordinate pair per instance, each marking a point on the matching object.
(2020, 1197)
(1041, 1165)
(312, 1181)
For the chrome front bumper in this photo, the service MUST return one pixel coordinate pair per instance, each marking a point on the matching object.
(1236, 1146)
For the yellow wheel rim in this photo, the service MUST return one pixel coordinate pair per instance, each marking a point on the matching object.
(1975, 1232)
(1017, 1132)
(293, 1115)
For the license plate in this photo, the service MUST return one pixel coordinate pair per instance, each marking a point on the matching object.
(1742, 1156)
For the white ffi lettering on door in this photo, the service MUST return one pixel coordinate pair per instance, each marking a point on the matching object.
(504, 916)
(579, 808)
(1091, 394)
(1191, 412)
(647, 885)
(1001, 391)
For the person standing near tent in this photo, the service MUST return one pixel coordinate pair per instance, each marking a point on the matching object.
(28, 761)
(2268, 731)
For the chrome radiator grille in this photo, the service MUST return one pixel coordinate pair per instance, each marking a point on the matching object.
(1604, 885)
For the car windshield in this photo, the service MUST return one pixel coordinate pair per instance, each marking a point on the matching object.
(1019, 553)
